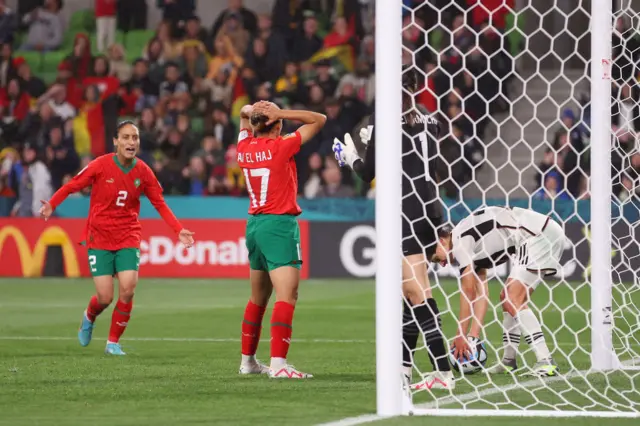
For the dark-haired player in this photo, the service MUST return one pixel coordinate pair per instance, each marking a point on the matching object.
(273, 235)
(113, 231)
(421, 215)
(489, 237)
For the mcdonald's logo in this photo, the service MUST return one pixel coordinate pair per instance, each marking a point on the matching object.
(32, 261)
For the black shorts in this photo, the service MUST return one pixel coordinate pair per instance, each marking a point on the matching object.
(420, 236)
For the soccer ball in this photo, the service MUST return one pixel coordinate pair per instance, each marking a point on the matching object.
(477, 361)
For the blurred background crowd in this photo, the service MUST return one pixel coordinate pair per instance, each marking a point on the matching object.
(65, 83)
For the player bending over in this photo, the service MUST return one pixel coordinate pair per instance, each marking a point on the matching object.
(113, 231)
(421, 216)
(273, 235)
(489, 237)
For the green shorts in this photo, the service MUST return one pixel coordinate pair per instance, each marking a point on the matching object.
(110, 262)
(273, 241)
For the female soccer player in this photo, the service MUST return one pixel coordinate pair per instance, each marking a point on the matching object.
(273, 235)
(113, 231)
(421, 216)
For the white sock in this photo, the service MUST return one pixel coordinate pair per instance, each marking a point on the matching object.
(248, 359)
(277, 363)
(532, 331)
(510, 336)
(407, 371)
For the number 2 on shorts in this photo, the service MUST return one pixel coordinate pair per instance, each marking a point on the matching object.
(92, 263)
(263, 174)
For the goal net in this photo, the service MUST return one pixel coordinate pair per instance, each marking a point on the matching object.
(539, 106)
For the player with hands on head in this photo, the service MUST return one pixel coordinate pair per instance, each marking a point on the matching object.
(113, 231)
(421, 216)
(489, 237)
(272, 235)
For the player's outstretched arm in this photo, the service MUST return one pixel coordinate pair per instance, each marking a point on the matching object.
(480, 304)
(467, 296)
(346, 152)
(83, 179)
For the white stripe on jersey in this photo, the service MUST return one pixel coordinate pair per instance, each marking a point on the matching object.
(489, 235)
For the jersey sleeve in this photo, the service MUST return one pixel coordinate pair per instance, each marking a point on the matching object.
(289, 145)
(366, 168)
(463, 250)
(153, 191)
(84, 178)
(244, 134)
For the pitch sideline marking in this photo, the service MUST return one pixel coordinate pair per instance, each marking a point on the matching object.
(370, 418)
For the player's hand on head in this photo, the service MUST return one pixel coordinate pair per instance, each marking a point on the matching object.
(46, 210)
(269, 109)
(186, 237)
(461, 348)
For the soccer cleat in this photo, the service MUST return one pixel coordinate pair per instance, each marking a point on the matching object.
(544, 368)
(114, 349)
(255, 367)
(288, 371)
(505, 366)
(86, 330)
(436, 380)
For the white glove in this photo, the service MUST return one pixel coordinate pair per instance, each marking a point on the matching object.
(345, 152)
(365, 134)
(338, 150)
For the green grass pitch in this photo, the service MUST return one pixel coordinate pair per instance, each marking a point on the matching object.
(183, 355)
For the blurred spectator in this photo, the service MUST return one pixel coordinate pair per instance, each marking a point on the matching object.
(33, 85)
(56, 98)
(313, 182)
(35, 128)
(9, 157)
(193, 31)
(176, 12)
(219, 125)
(131, 14)
(154, 55)
(35, 184)
(8, 69)
(552, 188)
(493, 11)
(141, 91)
(225, 58)
(234, 182)
(260, 67)
(625, 109)
(189, 142)
(246, 17)
(216, 183)
(236, 34)
(195, 177)
(332, 185)
(316, 99)
(8, 23)
(151, 132)
(353, 108)
(172, 88)
(363, 82)
(45, 27)
(220, 91)
(212, 152)
(80, 60)
(629, 188)
(368, 52)
(14, 102)
(287, 85)
(170, 48)
(61, 157)
(340, 35)
(105, 13)
(336, 126)
(566, 159)
(193, 63)
(287, 18)
(325, 79)
(274, 41)
(118, 65)
(308, 42)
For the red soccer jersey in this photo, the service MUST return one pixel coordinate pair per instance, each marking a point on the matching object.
(115, 201)
(270, 172)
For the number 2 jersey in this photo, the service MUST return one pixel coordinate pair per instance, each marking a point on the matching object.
(114, 208)
(270, 172)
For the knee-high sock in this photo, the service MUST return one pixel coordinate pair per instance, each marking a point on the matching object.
(510, 336)
(94, 308)
(281, 328)
(426, 318)
(119, 320)
(251, 328)
(532, 331)
(410, 333)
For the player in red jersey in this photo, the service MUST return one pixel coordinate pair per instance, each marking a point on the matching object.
(273, 235)
(113, 231)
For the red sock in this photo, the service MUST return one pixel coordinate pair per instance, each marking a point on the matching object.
(251, 328)
(281, 321)
(94, 309)
(119, 320)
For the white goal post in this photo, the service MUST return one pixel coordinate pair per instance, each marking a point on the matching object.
(600, 374)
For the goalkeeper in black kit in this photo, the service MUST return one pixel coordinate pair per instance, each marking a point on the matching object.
(421, 217)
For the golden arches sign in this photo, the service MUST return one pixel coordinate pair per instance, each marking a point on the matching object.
(32, 262)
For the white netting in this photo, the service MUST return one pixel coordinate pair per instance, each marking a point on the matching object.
(510, 83)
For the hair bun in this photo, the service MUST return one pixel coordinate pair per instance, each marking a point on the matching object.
(259, 122)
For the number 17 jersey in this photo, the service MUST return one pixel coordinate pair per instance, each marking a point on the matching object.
(270, 172)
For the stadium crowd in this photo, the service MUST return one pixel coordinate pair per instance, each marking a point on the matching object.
(67, 84)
